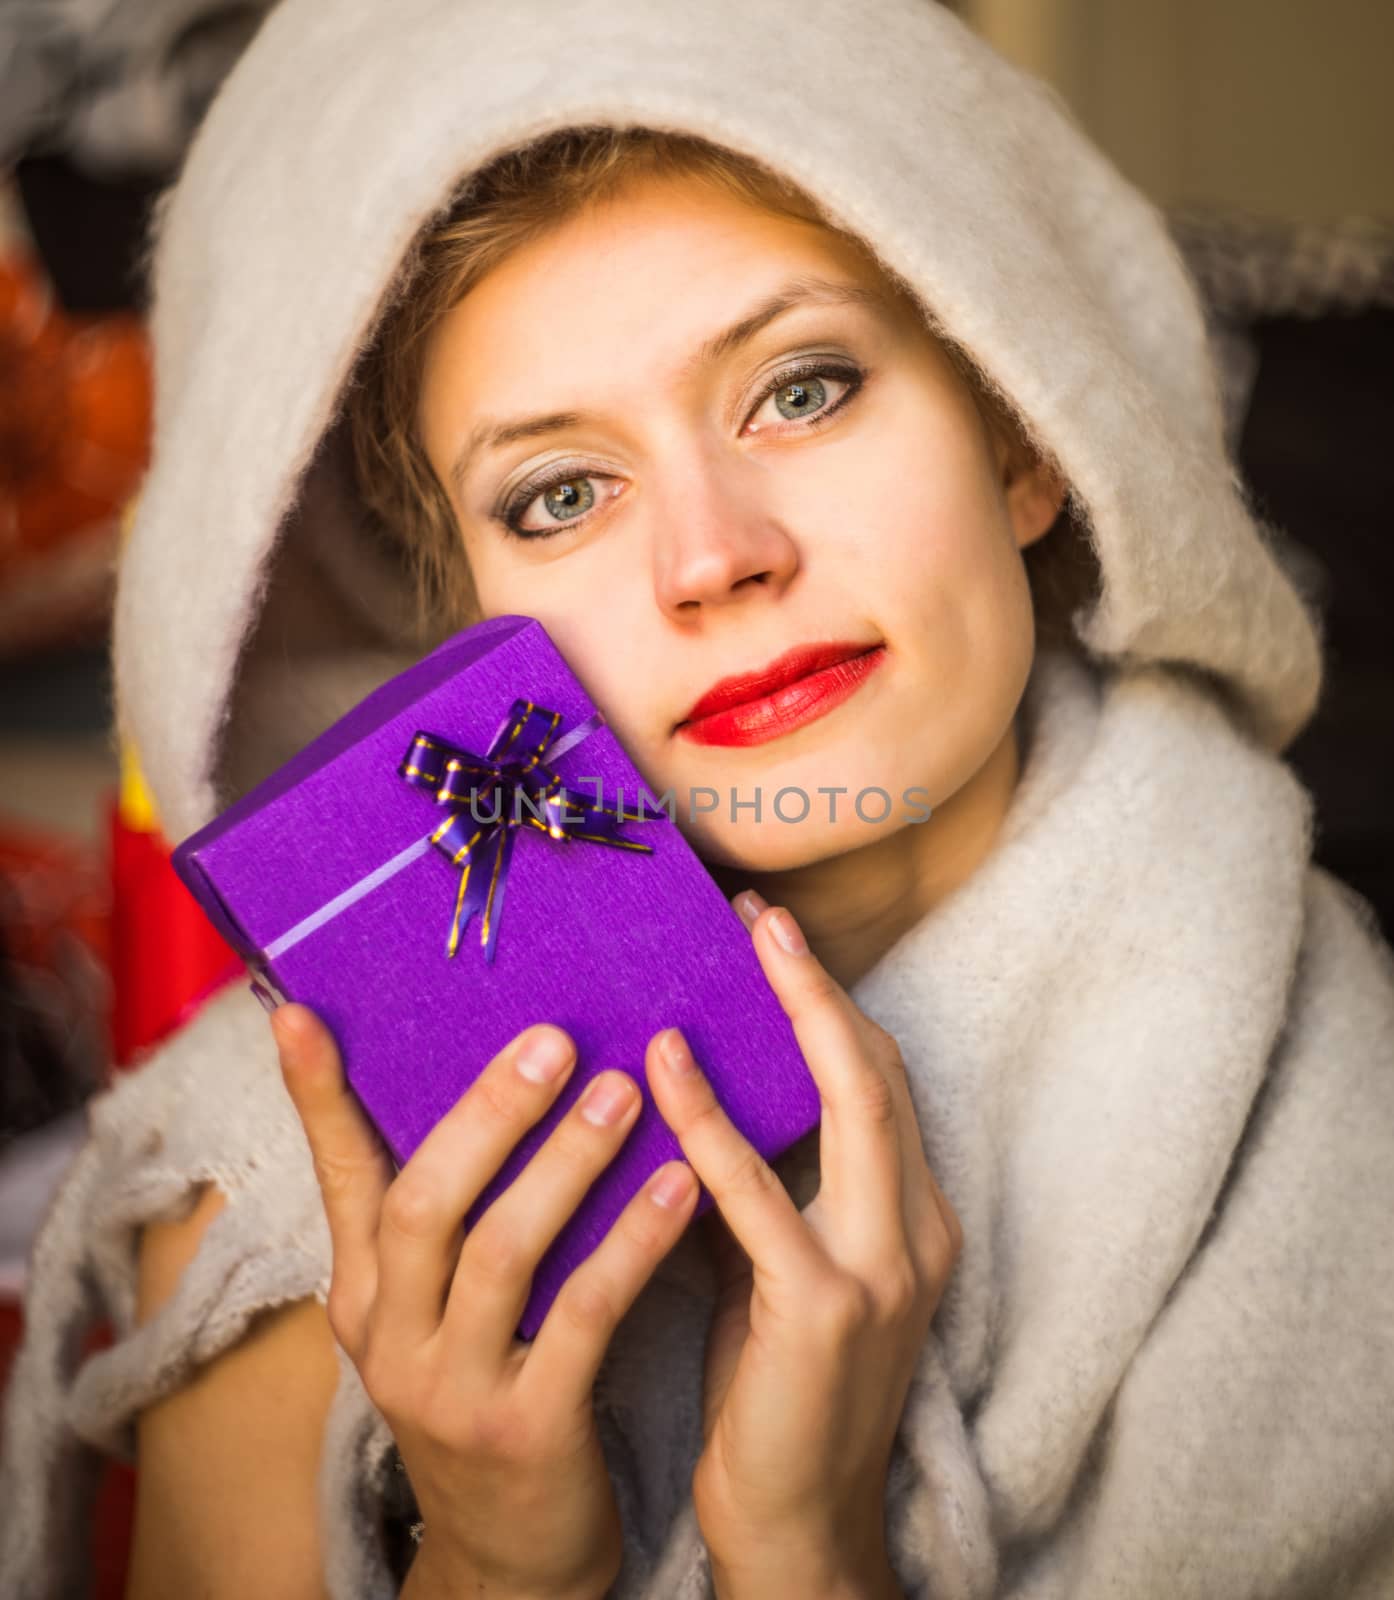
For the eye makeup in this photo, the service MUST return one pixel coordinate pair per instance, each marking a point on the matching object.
(509, 515)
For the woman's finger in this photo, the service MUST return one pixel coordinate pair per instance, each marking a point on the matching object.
(601, 1290)
(501, 1253)
(352, 1165)
(423, 1213)
(867, 1118)
(755, 1204)
(922, 1200)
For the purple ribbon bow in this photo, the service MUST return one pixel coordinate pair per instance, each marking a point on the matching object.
(513, 772)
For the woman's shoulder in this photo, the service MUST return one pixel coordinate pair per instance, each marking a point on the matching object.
(1314, 1170)
(228, 1462)
(1327, 1101)
(1260, 1394)
(1295, 1248)
(1346, 971)
(204, 1122)
(209, 1098)
(200, 1148)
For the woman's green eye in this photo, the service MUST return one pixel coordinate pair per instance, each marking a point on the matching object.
(569, 498)
(566, 495)
(800, 397)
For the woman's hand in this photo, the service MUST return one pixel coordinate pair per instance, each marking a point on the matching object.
(498, 1436)
(820, 1315)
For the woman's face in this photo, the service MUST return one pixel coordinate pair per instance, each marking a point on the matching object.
(690, 507)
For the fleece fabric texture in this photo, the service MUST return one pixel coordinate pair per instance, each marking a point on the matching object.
(1148, 1047)
(967, 177)
(1150, 1043)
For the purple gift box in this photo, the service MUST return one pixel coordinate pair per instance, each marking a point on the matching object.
(341, 880)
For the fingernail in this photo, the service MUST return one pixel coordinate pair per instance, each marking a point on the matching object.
(605, 1101)
(543, 1057)
(677, 1057)
(788, 933)
(671, 1187)
(749, 905)
(286, 1030)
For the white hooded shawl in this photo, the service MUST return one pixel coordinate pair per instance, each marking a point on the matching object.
(1150, 1043)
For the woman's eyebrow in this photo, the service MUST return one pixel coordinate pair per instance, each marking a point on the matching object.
(799, 291)
(492, 434)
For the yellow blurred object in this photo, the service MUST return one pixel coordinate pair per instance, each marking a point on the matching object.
(134, 804)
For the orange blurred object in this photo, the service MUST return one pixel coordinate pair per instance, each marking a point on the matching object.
(75, 423)
(76, 397)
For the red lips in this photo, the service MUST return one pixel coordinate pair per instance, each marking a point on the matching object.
(799, 688)
(785, 669)
(789, 668)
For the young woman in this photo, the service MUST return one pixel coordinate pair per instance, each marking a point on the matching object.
(769, 328)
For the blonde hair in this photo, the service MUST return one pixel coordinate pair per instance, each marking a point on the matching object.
(517, 198)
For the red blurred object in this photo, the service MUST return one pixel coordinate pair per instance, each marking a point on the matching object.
(60, 887)
(54, 984)
(113, 1511)
(159, 958)
(117, 947)
(56, 935)
(166, 957)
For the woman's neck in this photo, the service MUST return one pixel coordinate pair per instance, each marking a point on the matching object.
(853, 907)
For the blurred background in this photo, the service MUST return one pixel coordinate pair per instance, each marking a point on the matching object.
(1263, 129)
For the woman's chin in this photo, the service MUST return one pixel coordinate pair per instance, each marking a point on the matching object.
(761, 850)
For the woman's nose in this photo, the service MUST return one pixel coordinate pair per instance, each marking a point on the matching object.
(715, 540)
